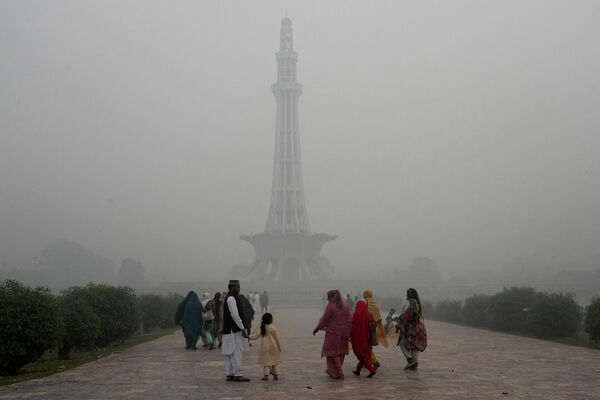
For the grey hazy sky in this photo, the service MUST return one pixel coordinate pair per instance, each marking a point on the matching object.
(467, 131)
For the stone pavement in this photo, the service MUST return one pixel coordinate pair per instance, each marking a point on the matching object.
(460, 363)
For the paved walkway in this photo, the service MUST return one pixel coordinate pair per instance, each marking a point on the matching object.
(460, 363)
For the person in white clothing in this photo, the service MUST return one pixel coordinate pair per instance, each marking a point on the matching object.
(234, 335)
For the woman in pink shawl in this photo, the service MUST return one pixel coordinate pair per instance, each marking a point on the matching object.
(337, 323)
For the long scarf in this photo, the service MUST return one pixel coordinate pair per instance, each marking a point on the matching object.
(359, 335)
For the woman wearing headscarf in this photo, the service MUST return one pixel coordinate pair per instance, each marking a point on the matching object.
(376, 313)
(413, 337)
(192, 321)
(337, 323)
(359, 337)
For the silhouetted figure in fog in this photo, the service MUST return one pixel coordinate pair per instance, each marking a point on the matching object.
(350, 302)
(255, 300)
(192, 321)
(264, 301)
(180, 311)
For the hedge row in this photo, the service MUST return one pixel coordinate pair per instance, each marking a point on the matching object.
(517, 309)
(34, 320)
(524, 310)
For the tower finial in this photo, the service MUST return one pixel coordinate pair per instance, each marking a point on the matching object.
(287, 39)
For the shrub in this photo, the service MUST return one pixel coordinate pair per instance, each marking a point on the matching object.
(173, 300)
(474, 310)
(153, 309)
(592, 319)
(158, 311)
(82, 325)
(507, 310)
(115, 306)
(554, 315)
(448, 311)
(30, 323)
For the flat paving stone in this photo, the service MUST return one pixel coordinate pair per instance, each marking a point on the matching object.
(459, 363)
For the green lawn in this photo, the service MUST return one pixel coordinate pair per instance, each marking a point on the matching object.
(49, 364)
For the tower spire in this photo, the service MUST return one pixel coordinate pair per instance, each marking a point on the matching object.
(288, 208)
(287, 250)
(286, 35)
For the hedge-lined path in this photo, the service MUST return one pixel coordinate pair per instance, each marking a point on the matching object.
(459, 363)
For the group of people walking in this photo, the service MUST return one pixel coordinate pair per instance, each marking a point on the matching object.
(360, 330)
(200, 319)
(364, 329)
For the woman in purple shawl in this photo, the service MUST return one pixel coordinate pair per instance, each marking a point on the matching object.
(337, 323)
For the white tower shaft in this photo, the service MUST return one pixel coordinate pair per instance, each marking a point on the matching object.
(287, 212)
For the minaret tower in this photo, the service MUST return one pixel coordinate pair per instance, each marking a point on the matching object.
(287, 250)
(288, 208)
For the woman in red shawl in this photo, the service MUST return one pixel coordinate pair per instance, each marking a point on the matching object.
(336, 322)
(360, 338)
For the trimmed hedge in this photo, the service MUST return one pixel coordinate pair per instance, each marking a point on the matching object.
(116, 308)
(474, 310)
(448, 311)
(507, 310)
(33, 320)
(554, 315)
(30, 323)
(592, 320)
(82, 323)
(158, 311)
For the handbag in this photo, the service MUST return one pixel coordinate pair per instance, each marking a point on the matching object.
(207, 313)
(373, 334)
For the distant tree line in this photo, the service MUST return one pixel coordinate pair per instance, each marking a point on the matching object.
(33, 320)
(518, 310)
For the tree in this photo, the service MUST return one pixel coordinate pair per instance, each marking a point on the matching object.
(153, 310)
(592, 319)
(474, 310)
(554, 315)
(115, 306)
(81, 323)
(507, 310)
(30, 323)
(448, 311)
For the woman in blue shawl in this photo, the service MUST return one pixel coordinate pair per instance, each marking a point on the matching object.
(192, 321)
